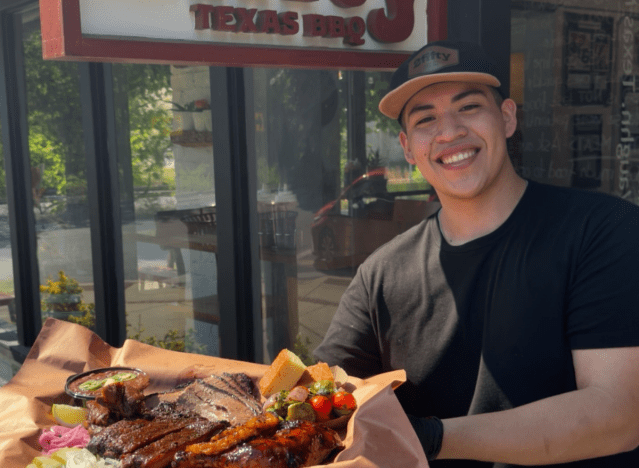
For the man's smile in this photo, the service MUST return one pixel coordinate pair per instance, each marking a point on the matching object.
(457, 157)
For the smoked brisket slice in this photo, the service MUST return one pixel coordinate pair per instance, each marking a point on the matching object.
(159, 454)
(227, 383)
(224, 397)
(297, 444)
(217, 403)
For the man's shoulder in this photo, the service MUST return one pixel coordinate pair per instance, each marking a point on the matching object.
(577, 201)
(406, 247)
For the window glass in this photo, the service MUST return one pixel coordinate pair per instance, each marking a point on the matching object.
(167, 195)
(7, 309)
(323, 208)
(58, 176)
(574, 71)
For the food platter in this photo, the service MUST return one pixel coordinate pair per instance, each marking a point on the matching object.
(40, 383)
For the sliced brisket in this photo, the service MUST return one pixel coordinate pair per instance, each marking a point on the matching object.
(159, 454)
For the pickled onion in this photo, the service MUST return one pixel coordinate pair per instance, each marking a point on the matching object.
(58, 437)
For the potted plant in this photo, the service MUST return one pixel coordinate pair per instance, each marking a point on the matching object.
(62, 298)
(183, 116)
(202, 119)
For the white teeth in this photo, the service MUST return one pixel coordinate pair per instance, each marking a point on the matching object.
(455, 158)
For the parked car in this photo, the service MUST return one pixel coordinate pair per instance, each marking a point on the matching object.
(365, 216)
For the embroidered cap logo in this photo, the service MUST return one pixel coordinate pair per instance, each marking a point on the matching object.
(433, 59)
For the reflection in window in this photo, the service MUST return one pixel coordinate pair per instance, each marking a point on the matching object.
(7, 308)
(574, 82)
(322, 208)
(168, 205)
(57, 161)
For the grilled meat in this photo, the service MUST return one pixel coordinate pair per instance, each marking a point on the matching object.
(263, 425)
(125, 399)
(225, 397)
(126, 436)
(297, 444)
(109, 441)
(98, 415)
(116, 401)
(211, 422)
(159, 454)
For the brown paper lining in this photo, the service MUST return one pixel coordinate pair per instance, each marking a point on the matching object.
(378, 435)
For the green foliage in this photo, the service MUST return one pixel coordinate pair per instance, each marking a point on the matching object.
(269, 176)
(148, 117)
(54, 117)
(62, 295)
(172, 340)
(87, 319)
(63, 285)
(300, 347)
(376, 87)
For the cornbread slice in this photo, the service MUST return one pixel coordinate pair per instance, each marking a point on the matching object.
(282, 374)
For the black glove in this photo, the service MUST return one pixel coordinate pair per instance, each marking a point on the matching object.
(430, 432)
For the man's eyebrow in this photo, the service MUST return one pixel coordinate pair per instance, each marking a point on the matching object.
(457, 97)
(464, 94)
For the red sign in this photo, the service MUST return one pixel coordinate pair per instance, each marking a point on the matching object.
(307, 34)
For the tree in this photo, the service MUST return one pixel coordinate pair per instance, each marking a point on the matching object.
(55, 121)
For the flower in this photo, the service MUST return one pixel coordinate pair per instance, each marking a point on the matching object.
(202, 104)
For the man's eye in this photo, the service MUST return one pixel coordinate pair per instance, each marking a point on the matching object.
(424, 120)
(468, 107)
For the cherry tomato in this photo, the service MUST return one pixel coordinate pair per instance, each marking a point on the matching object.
(322, 406)
(343, 402)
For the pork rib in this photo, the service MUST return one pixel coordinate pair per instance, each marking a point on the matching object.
(158, 454)
(262, 425)
(298, 444)
(126, 436)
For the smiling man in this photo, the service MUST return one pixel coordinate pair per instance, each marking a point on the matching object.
(514, 309)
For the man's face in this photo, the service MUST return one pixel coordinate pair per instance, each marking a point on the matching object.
(456, 135)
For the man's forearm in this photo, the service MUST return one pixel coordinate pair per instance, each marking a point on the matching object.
(582, 424)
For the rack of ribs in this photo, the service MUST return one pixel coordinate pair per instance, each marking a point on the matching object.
(295, 444)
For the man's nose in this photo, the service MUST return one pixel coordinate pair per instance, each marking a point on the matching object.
(450, 127)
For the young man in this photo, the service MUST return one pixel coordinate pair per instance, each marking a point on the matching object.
(514, 309)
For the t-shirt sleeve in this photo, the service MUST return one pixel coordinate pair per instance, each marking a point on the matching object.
(603, 302)
(350, 341)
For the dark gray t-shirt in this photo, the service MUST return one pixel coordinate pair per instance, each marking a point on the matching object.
(490, 325)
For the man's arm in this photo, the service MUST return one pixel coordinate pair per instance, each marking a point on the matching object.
(600, 418)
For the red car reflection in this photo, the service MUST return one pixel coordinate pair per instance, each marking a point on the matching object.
(365, 216)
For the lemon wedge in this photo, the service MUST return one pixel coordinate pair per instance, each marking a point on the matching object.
(67, 415)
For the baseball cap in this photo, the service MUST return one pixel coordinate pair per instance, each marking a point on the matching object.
(435, 63)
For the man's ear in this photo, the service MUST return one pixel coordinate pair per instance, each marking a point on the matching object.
(403, 140)
(509, 112)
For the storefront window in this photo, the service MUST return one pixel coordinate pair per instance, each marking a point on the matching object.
(168, 206)
(58, 176)
(323, 208)
(7, 309)
(574, 79)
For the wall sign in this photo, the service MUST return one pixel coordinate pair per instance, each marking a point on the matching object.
(587, 57)
(347, 34)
